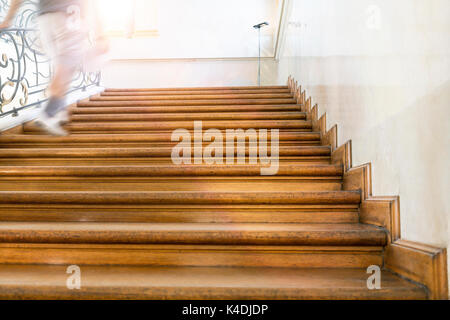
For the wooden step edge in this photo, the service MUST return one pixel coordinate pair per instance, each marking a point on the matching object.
(191, 214)
(193, 102)
(194, 233)
(117, 97)
(179, 197)
(197, 88)
(192, 255)
(196, 92)
(94, 108)
(185, 117)
(169, 170)
(186, 125)
(126, 137)
(145, 152)
(172, 283)
(223, 107)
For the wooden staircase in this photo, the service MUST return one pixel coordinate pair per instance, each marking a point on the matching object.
(109, 199)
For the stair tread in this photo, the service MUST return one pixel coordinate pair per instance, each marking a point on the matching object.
(170, 170)
(197, 88)
(180, 197)
(49, 282)
(140, 152)
(143, 137)
(102, 108)
(191, 104)
(193, 233)
(173, 125)
(194, 101)
(190, 116)
(205, 96)
(195, 92)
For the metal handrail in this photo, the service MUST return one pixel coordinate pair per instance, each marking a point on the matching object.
(25, 71)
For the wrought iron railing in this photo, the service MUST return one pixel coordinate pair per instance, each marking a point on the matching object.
(25, 71)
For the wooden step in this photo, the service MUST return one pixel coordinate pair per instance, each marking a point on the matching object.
(87, 161)
(141, 152)
(167, 197)
(174, 125)
(179, 184)
(170, 171)
(154, 283)
(193, 102)
(115, 145)
(332, 213)
(193, 233)
(104, 108)
(193, 255)
(188, 116)
(130, 138)
(194, 92)
(246, 105)
(198, 88)
(125, 97)
(144, 140)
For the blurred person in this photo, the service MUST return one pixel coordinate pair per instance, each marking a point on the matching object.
(64, 35)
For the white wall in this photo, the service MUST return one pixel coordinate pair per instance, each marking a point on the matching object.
(381, 69)
(186, 73)
(199, 43)
(195, 28)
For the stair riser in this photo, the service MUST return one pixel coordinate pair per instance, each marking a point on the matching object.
(194, 102)
(149, 152)
(228, 96)
(199, 88)
(181, 214)
(130, 127)
(196, 184)
(197, 256)
(194, 92)
(180, 198)
(202, 106)
(93, 108)
(194, 172)
(32, 145)
(131, 161)
(142, 138)
(192, 117)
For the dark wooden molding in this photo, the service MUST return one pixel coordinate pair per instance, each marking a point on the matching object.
(424, 264)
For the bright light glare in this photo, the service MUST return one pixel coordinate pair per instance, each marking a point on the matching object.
(116, 15)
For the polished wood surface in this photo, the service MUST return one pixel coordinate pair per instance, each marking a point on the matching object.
(49, 282)
(109, 198)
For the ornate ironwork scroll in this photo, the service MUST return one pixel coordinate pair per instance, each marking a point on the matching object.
(25, 71)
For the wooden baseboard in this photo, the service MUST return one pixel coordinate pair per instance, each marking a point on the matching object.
(421, 263)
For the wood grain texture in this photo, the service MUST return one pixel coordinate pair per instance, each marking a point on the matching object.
(49, 282)
(195, 233)
(109, 198)
(192, 255)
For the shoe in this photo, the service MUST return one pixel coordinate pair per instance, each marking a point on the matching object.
(63, 117)
(51, 125)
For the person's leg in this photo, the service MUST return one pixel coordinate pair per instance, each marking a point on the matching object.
(58, 87)
(65, 53)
